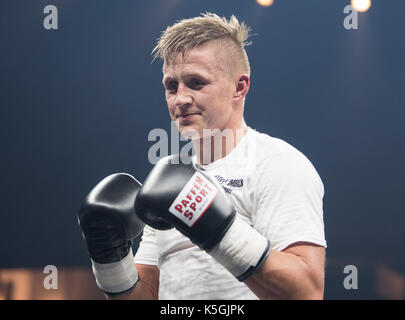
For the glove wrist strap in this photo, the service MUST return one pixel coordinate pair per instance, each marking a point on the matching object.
(242, 250)
(117, 277)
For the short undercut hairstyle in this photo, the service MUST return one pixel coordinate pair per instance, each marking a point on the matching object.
(188, 34)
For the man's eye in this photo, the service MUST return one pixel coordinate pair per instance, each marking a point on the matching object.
(172, 86)
(195, 83)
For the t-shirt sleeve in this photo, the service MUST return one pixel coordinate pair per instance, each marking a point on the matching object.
(289, 202)
(147, 252)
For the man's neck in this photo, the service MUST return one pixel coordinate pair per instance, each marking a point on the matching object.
(218, 144)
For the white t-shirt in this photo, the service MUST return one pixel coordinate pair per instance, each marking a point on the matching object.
(273, 187)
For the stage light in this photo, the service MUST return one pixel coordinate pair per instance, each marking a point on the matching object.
(265, 3)
(361, 5)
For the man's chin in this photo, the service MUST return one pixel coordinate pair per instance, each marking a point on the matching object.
(190, 133)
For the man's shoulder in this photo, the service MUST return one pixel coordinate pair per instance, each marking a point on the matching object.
(267, 147)
(281, 161)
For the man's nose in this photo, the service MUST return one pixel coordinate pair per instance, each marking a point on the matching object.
(183, 96)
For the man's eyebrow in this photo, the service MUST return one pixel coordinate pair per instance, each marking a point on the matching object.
(166, 79)
(196, 75)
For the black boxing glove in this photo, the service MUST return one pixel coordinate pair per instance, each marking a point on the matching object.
(109, 223)
(196, 205)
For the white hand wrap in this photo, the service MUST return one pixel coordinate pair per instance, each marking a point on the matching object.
(117, 277)
(242, 250)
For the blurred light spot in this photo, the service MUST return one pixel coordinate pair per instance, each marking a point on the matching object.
(361, 5)
(265, 3)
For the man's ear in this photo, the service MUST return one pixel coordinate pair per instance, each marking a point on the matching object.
(242, 86)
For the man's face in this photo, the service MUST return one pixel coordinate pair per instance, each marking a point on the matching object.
(199, 93)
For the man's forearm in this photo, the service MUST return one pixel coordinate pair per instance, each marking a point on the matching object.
(285, 276)
(142, 291)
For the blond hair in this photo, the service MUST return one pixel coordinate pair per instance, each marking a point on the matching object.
(187, 34)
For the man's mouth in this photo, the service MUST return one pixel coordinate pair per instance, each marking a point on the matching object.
(186, 115)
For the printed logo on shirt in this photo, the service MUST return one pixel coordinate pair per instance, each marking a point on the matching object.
(194, 199)
(230, 184)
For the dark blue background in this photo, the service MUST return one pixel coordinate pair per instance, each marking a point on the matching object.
(78, 103)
